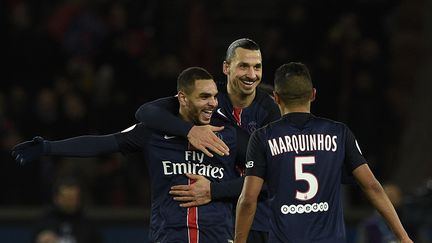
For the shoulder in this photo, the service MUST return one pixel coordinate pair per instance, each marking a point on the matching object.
(220, 119)
(135, 132)
(266, 129)
(330, 122)
(222, 86)
(263, 97)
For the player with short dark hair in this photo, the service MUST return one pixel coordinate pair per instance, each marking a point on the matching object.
(169, 158)
(301, 158)
(244, 43)
(245, 106)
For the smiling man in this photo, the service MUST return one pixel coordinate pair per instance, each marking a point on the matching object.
(240, 102)
(169, 159)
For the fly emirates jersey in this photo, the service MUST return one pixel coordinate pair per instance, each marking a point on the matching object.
(169, 158)
(301, 157)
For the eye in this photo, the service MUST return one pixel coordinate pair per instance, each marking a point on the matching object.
(204, 96)
(243, 66)
(258, 67)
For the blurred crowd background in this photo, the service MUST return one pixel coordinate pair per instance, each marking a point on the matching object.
(77, 67)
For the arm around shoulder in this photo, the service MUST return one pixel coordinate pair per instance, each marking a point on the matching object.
(161, 114)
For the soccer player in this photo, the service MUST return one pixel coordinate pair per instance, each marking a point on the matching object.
(169, 159)
(301, 157)
(245, 106)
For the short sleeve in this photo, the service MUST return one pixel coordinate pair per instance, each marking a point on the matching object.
(255, 156)
(353, 154)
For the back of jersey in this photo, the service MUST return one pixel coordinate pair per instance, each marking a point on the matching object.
(300, 157)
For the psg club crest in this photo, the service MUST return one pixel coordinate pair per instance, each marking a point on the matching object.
(252, 126)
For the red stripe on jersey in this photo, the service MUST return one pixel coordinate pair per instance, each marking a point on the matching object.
(192, 222)
(237, 115)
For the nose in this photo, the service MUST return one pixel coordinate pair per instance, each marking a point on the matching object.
(251, 73)
(213, 101)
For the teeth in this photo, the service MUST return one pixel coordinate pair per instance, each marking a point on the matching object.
(248, 82)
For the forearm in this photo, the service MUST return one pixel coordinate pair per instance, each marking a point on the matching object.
(226, 190)
(245, 213)
(161, 115)
(83, 146)
(383, 205)
(167, 122)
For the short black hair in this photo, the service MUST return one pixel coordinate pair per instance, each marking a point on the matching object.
(293, 83)
(186, 79)
(244, 43)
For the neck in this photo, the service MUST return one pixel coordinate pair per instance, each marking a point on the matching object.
(297, 108)
(240, 100)
(183, 115)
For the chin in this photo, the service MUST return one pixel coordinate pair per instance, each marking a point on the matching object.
(248, 91)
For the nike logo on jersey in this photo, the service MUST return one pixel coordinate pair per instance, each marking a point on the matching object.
(169, 137)
(219, 111)
(358, 147)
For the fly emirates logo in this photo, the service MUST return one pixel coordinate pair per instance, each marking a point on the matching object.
(193, 165)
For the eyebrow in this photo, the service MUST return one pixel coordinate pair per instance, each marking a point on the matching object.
(206, 94)
(248, 64)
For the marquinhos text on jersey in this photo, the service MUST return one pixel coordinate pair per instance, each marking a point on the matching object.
(302, 142)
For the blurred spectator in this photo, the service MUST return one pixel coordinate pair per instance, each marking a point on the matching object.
(66, 220)
(45, 113)
(47, 236)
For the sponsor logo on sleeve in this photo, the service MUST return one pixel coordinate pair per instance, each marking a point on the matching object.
(249, 164)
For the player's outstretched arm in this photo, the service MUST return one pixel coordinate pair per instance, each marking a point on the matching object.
(82, 146)
(30, 150)
(377, 196)
(246, 207)
(161, 115)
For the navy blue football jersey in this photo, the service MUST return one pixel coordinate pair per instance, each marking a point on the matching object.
(169, 158)
(301, 158)
(260, 112)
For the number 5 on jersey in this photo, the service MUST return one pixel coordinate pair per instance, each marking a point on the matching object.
(306, 176)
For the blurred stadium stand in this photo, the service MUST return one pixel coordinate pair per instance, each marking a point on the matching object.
(84, 67)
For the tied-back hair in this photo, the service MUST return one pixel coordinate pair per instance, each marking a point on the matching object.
(244, 43)
(293, 83)
(186, 79)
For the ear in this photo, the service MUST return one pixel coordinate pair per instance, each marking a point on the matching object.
(182, 98)
(313, 94)
(225, 68)
(276, 97)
